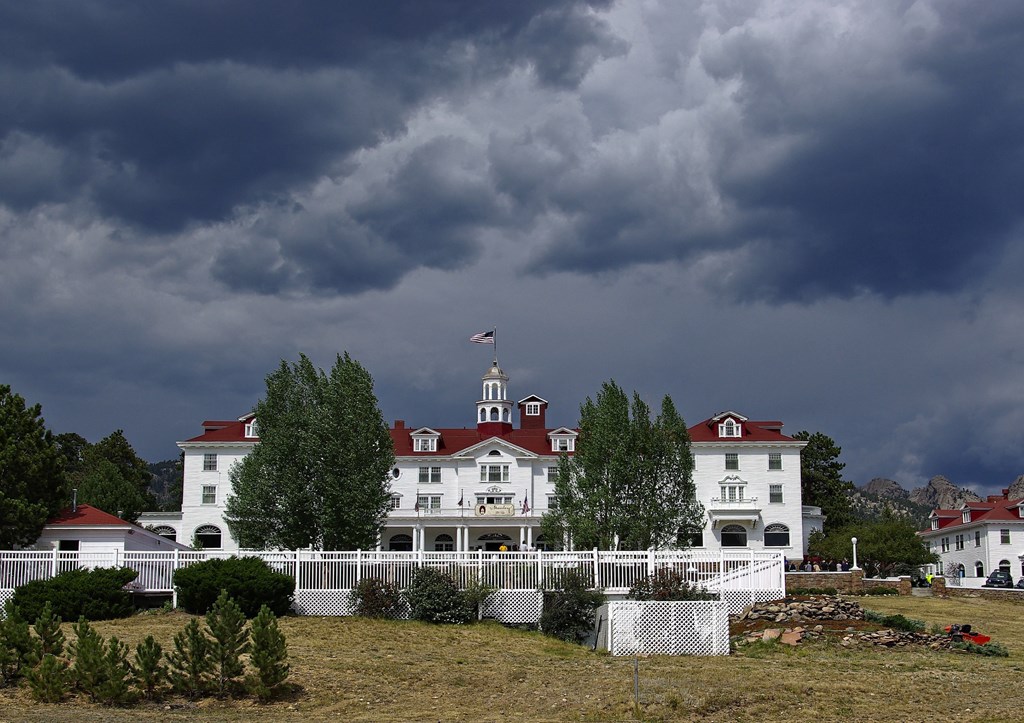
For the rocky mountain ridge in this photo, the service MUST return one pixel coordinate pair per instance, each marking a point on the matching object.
(917, 503)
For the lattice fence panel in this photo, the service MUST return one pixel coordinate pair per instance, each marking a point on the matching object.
(323, 602)
(668, 628)
(5, 595)
(737, 600)
(514, 606)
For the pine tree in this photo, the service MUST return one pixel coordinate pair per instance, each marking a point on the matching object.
(115, 687)
(47, 627)
(19, 651)
(148, 669)
(269, 656)
(49, 679)
(190, 663)
(230, 640)
(32, 484)
(88, 670)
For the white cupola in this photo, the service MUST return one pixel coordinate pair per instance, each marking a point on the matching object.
(494, 410)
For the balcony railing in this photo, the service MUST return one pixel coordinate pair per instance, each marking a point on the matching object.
(747, 503)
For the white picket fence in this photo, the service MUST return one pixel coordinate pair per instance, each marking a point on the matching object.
(324, 580)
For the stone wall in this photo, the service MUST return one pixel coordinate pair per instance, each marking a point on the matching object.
(851, 583)
(989, 593)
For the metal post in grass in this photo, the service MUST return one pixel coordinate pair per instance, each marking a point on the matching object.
(636, 682)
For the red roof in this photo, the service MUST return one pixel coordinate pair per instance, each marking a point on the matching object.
(87, 515)
(1002, 511)
(223, 431)
(751, 431)
(453, 441)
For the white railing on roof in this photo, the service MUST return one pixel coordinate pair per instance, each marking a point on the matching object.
(613, 572)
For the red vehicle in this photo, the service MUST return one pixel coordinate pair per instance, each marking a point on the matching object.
(964, 632)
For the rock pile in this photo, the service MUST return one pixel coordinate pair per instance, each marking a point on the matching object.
(825, 607)
(850, 638)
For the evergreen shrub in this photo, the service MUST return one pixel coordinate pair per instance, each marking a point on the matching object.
(96, 594)
(569, 612)
(19, 651)
(248, 580)
(374, 598)
(434, 597)
(268, 657)
(49, 680)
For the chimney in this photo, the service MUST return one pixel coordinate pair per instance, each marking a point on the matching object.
(399, 424)
(74, 500)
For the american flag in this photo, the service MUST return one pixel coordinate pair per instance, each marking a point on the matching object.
(484, 337)
(526, 505)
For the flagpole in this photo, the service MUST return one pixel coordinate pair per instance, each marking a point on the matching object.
(495, 346)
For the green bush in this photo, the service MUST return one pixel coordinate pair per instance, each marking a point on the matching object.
(19, 651)
(434, 597)
(991, 649)
(148, 669)
(569, 612)
(190, 664)
(229, 641)
(896, 622)
(96, 594)
(49, 680)
(668, 584)
(248, 580)
(373, 598)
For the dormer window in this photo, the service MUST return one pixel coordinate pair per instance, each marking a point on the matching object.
(967, 515)
(250, 429)
(424, 444)
(729, 428)
(935, 524)
(532, 409)
(562, 444)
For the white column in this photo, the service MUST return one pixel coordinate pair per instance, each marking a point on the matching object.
(522, 535)
(529, 536)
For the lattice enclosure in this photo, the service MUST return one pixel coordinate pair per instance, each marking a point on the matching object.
(737, 600)
(5, 595)
(514, 606)
(323, 602)
(664, 628)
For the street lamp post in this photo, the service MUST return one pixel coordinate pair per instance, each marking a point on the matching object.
(854, 541)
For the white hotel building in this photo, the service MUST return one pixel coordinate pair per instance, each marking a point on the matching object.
(747, 476)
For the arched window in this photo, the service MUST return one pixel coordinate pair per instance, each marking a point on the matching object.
(1004, 565)
(494, 414)
(208, 537)
(483, 415)
(960, 570)
(504, 415)
(400, 543)
(979, 569)
(166, 531)
(776, 536)
(444, 543)
(734, 536)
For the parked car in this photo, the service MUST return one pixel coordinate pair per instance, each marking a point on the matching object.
(999, 578)
(1020, 584)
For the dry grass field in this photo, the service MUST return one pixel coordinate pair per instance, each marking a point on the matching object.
(353, 669)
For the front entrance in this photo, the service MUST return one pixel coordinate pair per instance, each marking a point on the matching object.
(493, 542)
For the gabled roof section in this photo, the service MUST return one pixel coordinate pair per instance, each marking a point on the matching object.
(563, 431)
(761, 432)
(513, 449)
(422, 431)
(531, 398)
(247, 417)
(981, 512)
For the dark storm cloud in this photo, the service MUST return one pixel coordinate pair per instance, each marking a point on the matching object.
(178, 112)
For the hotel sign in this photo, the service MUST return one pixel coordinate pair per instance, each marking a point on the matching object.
(483, 510)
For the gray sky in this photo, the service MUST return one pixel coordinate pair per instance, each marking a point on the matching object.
(800, 211)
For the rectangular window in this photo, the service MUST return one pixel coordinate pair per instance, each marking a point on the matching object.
(494, 473)
(562, 444)
(532, 409)
(774, 460)
(977, 538)
(430, 475)
(775, 494)
(552, 473)
(395, 503)
(209, 462)
(552, 502)
(959, 542)
(494, 499)
(945, 544)
(424, 444)
(732, 460)
(1004, 537)
(429, 503)
(732, 493)
(209, 494)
